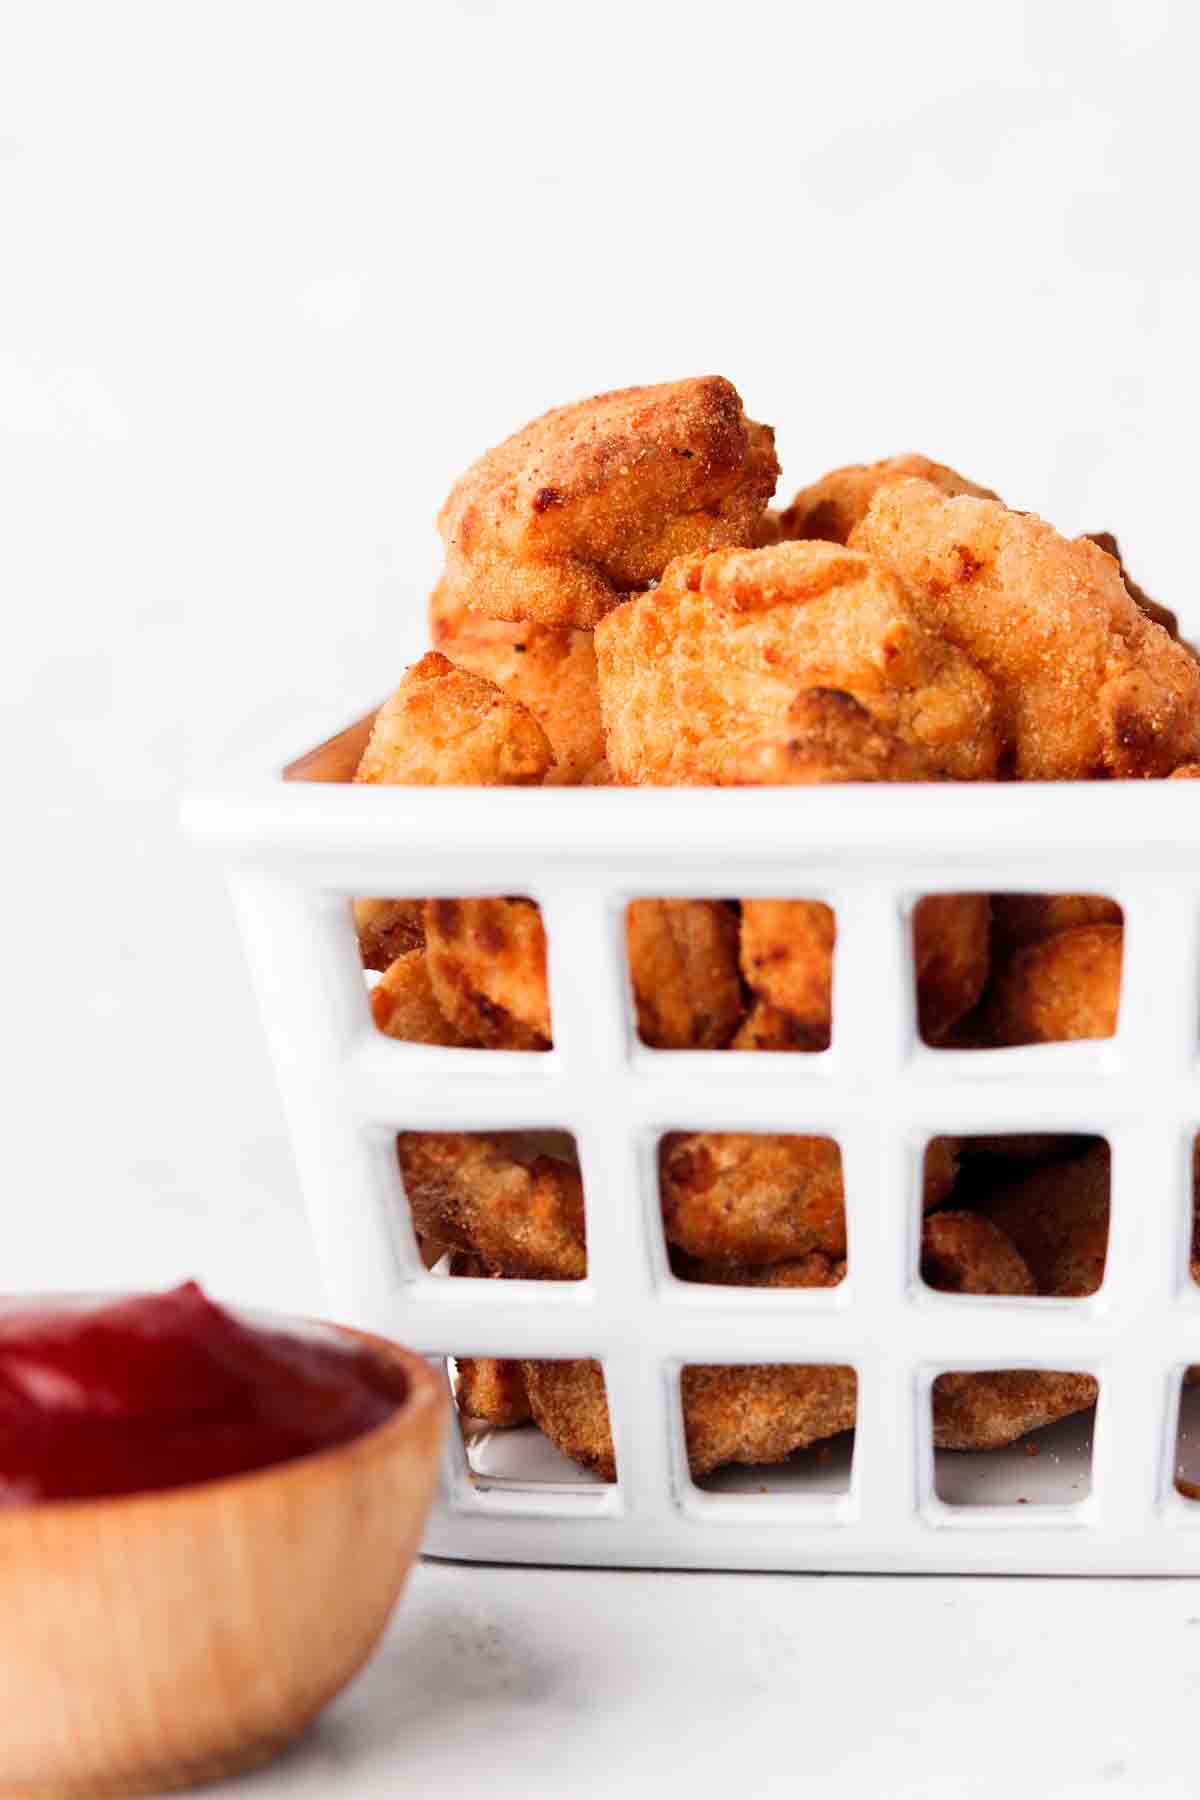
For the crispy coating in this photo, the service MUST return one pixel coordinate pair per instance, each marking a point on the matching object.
(1059, 988)
(1161, 615)
(1058, 1219)
(826, 737)
(403, 1005)
(683, 958)
(695, 673)
(831, 507)
(475, 1193)
(388, 929)
(814, 1269)
(952, 956)
(769, 1028)
(964, 1253)
(988, 1409)
(569, 1403)
(492, 1388)
(1019, 919)
(444, 727)
(787, 959)
(1086, 684)
(549, 669)
(753, 1198)
(591, 501)
(1186, 772)
(487, 966)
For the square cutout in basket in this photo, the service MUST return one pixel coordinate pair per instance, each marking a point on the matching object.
(1187, 1436)
(998, 971)
(753, 1208)
(731, 975)
(1023, 1215)
(776, 1429)
(541, 1424)
(464, 974)
(1013, 1437)
(496, 1204)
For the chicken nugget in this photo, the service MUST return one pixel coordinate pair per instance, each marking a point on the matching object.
(831, 507)
(1058, 1219)
(549, 669)
(387, 929)
(1019, 919)
(991, 1408)
(487, 967)
(965, 1253)
(475, 1193)
(403, 1005)
(787, 958)
(708, 664)
(815, 1269)
(1086, 685)
(824, 738)
(1059, 988)
(753, 1198)
(444, 727)
(488, 1388)
(591, 501)
(683, 958)
(769, 1028)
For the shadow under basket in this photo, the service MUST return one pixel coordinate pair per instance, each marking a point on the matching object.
(299, 844)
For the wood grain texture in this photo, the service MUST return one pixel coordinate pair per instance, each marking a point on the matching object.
(153, 1641)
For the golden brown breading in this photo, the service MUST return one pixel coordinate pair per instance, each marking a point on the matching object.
(787, 958)
(814, 1269)
(1186, 772)
(988, 1409)
(591, 501)
(1086, 684)
(403, 1005)
(388, 929)
(1161, 615)
(683, 959)
(1019, 919)
(444, 727)
(752, 1198)
(492, 1388)
(1060, 988)
(826, 737)
(952, 956)
(768, 1028)
(569, 1403)
(549, 669)
(487, 966)
(831, 507)
(1058, 1219)
(696, 672)
(475, 1193)
(964, 1253)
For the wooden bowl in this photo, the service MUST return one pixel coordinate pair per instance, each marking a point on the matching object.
(155, 1640)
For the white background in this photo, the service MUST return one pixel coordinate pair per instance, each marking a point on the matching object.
(269, 276)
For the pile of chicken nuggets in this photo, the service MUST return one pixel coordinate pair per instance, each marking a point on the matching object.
(621, 606)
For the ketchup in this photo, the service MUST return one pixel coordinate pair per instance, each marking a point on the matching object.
(167, 1389)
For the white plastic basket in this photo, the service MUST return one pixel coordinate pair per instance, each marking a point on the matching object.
(296, 852)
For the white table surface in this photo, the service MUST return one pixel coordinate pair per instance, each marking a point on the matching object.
(531, 1682)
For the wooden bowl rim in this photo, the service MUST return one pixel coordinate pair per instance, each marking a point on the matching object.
(426, 1396)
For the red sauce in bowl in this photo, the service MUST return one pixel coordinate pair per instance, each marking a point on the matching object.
(167, 1389)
